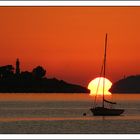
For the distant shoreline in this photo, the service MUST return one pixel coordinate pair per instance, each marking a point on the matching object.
(13, 80)
(42, 86)
(127, 85)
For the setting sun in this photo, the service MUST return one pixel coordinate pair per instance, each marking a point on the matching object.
(96, 86)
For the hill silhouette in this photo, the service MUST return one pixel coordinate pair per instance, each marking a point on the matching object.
(130, 84)
(13, 80)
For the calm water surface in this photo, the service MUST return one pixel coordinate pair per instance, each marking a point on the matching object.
(63, 113)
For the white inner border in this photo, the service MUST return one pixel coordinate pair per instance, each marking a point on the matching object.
(69, 3)
(70, 136)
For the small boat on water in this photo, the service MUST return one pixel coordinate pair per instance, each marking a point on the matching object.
(102, 110)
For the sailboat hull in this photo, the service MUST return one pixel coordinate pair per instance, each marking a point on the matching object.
(101, 111)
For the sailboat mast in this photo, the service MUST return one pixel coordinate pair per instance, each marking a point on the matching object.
(104, 68)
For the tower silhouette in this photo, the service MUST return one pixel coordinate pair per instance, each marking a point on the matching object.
(17, 67)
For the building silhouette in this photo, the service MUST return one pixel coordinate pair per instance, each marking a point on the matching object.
(17, 67)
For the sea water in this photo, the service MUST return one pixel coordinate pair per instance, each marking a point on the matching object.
(63, 114)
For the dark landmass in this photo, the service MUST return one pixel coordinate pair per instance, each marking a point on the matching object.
(14, 81)
(129, 84)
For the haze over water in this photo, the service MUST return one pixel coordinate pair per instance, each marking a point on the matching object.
(63, 113)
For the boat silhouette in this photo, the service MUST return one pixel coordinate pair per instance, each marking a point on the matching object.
(102, 110)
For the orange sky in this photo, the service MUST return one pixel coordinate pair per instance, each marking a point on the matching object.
(69, 41)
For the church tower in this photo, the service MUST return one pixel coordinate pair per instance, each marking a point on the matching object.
(17, 67)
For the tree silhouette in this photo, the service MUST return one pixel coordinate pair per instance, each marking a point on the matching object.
(39, 72)
(6, 71)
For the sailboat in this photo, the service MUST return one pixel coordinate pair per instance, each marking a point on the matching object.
(102, 110)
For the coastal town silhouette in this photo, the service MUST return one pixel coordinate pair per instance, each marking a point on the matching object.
(13, 80)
